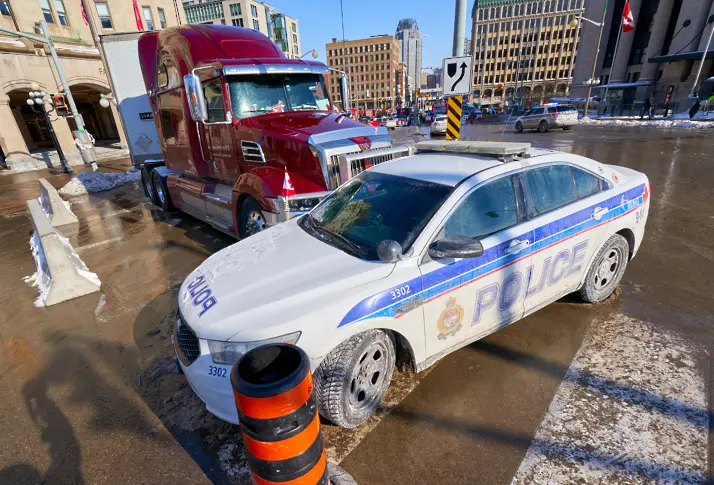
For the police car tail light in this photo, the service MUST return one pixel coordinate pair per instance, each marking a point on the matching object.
(229, 352)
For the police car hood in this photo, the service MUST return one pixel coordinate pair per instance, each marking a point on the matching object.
(269, 279)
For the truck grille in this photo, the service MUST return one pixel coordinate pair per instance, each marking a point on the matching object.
(187, 342)
(358, 166)
(333, 171)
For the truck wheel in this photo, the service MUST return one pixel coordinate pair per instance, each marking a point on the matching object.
(352, 380)
(251, 218)
(543, 126)
(148, 185)
(162, 192)
(606, 271)
(519, 127)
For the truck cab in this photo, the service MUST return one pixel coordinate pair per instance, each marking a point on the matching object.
(237, 121)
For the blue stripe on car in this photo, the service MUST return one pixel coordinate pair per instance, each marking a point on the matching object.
(442, 280)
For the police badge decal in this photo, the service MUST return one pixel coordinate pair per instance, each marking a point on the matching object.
(450, 319)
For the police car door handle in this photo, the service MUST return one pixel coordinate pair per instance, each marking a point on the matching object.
(516, 246)
(599, 212)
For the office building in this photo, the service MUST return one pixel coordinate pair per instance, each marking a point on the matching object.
(374, 71)
(24, 137)
(280, 28)
(661, 55)
(410, 48)
(526, 45)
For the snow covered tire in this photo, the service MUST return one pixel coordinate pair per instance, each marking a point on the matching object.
(352, 379)
(606, 270)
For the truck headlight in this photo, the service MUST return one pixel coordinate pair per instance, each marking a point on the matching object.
(230, 352)
(302, 205)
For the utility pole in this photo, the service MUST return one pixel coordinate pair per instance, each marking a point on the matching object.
(87, 153)
(597, 53)
(459, 28)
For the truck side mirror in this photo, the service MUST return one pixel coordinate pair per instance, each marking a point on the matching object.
(194, 94)
(345, 93)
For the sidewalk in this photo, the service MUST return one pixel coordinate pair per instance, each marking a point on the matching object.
(16, 188)
(49, 158)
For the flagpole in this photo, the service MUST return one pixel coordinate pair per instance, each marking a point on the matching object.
(614, 55)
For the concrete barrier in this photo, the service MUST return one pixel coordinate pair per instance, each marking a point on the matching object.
(61, 274)
(57, 210)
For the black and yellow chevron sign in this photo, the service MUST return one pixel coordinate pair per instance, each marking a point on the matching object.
(453, 118)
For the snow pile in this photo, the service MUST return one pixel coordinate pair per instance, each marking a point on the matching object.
(657, 123)
(87, 182)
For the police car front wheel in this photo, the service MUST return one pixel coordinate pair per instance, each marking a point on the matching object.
(606, 270)
(352, 380)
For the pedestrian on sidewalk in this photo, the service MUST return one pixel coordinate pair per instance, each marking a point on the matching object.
(646, 108)
(651, 99)
(694, 109)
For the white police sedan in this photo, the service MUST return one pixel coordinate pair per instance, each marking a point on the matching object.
(426, 253)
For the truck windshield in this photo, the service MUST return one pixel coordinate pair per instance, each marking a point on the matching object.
(273, 93)
(373, 207)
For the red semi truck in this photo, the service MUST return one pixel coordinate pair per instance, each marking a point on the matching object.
(233, 114)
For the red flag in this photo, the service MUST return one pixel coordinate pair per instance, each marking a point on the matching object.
(288, 189)
(628, 22)
(84, 13)
(137, 16)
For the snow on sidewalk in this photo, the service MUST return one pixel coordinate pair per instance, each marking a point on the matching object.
(656, 123)
(89, 182)
(631, 409)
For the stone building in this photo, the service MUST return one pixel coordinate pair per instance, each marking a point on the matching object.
(524, 44)
(661, 56)
(280, 28)
(24, 139)
(373, 67)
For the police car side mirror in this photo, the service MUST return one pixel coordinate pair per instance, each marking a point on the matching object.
(389, 251)
(455, 247)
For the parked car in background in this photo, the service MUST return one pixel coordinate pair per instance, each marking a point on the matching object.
(391, 122)
(401, 121)
(438, 126)
(365, 119)
(548, 117)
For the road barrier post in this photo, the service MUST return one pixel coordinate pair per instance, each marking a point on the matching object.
(273, 391)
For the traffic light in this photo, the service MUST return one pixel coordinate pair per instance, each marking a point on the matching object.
(418, 92)
(60, 104)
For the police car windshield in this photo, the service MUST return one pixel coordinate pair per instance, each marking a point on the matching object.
(373, 207)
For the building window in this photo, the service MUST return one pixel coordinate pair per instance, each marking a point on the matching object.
(235, 9)
(61, 13)
(254, 10)
(148, 17)
(103, 13)
(162, 18)
(47, 11)
(295, 40)
(3, 8)
(256, 26)
(237, 22)
(293, 27)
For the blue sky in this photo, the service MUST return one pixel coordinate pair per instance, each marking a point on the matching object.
(320, 21)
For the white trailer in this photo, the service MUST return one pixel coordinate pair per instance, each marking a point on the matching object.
(129, 93)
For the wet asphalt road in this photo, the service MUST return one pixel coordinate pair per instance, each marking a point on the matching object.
(89, 389)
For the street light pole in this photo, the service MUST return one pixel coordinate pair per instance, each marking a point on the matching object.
(39, 99)
(704, 57)
(597, 53)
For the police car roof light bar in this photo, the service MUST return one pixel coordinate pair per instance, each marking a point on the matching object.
(503, 150)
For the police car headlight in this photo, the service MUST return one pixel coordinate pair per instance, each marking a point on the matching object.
(230, 352)
(302, 205)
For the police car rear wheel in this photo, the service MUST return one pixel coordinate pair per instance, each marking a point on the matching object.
(543, 126)
(606, 271)
(352, 380)
(519, 127)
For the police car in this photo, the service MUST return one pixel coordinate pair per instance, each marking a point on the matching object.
(548, 117)
(425, 253)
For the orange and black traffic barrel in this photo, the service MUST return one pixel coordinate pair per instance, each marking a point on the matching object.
(278, 416)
